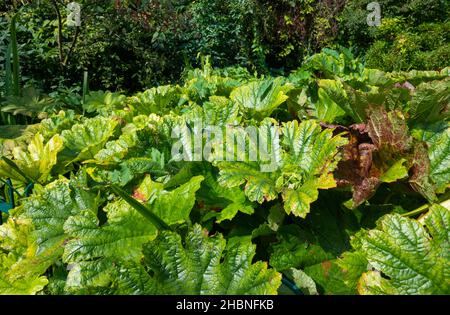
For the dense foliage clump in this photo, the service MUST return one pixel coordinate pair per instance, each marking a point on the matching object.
(357, 202)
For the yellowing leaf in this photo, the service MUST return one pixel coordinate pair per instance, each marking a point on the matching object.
(37, 161)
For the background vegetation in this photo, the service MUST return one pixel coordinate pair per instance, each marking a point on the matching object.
(131, 45)
(92, 200)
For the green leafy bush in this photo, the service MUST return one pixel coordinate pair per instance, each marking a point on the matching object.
(357, 202)
(134, 45)
(412, 35)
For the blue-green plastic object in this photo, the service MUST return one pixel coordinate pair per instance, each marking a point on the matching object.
(291, 285)
(29, 189)
(6, 206)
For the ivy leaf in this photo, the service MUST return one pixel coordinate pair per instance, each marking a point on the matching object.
(415, 260)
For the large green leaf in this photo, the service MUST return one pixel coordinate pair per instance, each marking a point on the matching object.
(36, 162)
(156, 100)
(430, 102)
(103, 102)
(116, 150)
(296, 248)
(96, 251)
(24, 286)
(220, 111)
(261, 98)
(308, 158)
(437, 137)
(83, 141)
(20, 268)
(198, 265)
(259, 186)
(221, 202)
(171, 206)
(50, 209)
(122, 236)
(326, 109)
(205, 266)
(414, 255)
(56, 123)
(32, 240)
(324, 235)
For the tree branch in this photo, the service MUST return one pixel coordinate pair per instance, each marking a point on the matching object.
(72, 46)
(60, 48)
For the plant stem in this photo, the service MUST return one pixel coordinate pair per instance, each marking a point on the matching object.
(416, 211)
(423, 208)
(15, 56)
(72, 46)
(58, 14)
(85, 85)
(8, 70)
(17, 169)
(143, 210)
